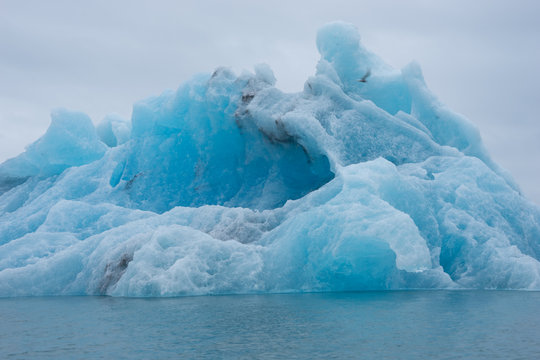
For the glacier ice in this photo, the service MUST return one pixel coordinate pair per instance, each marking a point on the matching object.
(229, 185)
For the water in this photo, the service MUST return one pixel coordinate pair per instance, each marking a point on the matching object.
(367, 325)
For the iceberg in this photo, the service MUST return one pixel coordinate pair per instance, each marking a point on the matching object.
(363, 180)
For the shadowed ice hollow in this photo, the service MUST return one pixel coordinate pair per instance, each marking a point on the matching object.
(228, 185)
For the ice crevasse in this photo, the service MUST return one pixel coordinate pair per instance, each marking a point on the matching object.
(229, 185)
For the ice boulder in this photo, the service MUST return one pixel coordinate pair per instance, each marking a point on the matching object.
(70, 140)
(362, 180)
(114, 130)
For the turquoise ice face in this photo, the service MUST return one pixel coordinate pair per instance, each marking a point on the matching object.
(363, 180)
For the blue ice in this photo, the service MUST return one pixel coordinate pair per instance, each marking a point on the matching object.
(229, 185)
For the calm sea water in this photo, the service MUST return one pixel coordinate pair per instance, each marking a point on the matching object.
(367, 325)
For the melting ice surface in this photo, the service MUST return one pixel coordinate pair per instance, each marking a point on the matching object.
(229, 185)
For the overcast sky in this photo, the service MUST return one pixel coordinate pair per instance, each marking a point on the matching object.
(481, 57)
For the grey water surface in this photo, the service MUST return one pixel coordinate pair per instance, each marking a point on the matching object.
(366, 325)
